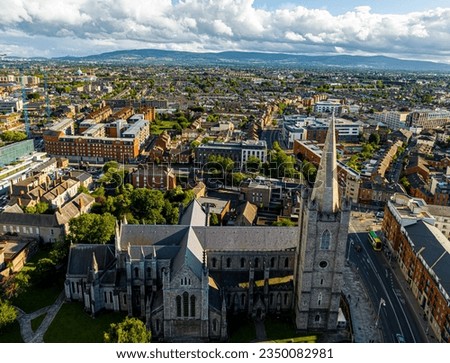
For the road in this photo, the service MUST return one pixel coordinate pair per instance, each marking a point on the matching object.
(270, 136)
(395, 315)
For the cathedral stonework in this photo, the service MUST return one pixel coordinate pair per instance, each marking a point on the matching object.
(185, 280)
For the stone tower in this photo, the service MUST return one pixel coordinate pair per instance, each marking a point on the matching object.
(324, 224)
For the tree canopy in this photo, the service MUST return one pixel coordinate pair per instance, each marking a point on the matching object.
(92, 228)
(7, 313)
(131, 330)
(13, 136)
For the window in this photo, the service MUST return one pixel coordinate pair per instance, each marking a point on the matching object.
(321, 281)
(325, 240)
(214, 262)
(193, 306)
(124, 299)
(110, 297)
(105, 297)
(256, 262)
(242, 262)
(272, 262)
(271, 299)
(286, 299)
(214, 325)
(317, 318)
(149, 272)
(178, 301)
(228, 262)
(286, 262)
(243, 299)
(319, 299)
(185, 304)
(323, 264)
(136, 272)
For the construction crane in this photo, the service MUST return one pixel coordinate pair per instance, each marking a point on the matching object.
(24, 100)
(47, 100)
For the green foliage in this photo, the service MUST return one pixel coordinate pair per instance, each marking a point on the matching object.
(13, 136)
(213, 220)
(7, 313)
(33, 96)
(284, 223)
(131, 330)
(253, 164)
(195, 144)
(39, 208)
(374, 138)
(309, 171)
(405, 182)
(280, 164)
(221, 163)
(45, 269)
(110, 164)
(15, 284)
(92, 228)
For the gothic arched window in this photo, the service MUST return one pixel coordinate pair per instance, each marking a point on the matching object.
(178, 300)
(214, 262)
(136, 272)
(319, 299)
(228, 262)
(256, 262)
(325, 241)
(185, 304)
(193, 306)
(242, 262)
(272, 262)
(286, 262)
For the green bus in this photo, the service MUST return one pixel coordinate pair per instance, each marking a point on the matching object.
(375, 241)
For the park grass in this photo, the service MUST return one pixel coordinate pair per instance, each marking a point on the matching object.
(282, 330)
(73, 325)
(242, 329)
(36, 297)
(157, 129)
(11, 334)
(36, 322)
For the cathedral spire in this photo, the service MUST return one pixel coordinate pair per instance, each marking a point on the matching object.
(326, 190)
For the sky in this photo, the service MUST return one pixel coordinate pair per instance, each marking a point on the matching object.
(407, 29)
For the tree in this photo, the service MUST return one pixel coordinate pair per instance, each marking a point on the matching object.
(131, 330)
(92, 228)
(283, 223)
(213, 219)
(45, 268)
(15, 284)
(374, 138)
(7, 313)
(13, 136)
(110, 164)
(146, 205)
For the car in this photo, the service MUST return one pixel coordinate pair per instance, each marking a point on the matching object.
(400, 338)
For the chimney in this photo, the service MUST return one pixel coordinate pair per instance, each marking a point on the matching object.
(208, 214)
(80, 204)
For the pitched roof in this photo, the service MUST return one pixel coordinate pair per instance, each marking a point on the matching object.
(24, 219)
(81, 255)
(193, 215)
(434, 248)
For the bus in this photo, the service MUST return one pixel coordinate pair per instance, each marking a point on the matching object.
(375, 241)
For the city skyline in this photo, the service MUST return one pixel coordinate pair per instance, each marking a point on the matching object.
(414, 30)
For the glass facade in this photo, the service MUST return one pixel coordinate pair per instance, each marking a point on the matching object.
(12, 152)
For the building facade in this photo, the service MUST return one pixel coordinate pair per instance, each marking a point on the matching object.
(185, 280)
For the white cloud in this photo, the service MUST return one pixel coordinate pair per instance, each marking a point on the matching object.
(92, 26)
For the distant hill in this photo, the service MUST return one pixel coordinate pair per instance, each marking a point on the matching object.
(153, 56)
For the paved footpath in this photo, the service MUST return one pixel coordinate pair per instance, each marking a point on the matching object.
(30, 336)
(361, 309)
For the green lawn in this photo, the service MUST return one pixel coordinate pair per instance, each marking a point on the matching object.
(283, 330)
(242, 330)
(36, 323)
(37, 297)
(74, 325)
(11, 334)
(165, 125)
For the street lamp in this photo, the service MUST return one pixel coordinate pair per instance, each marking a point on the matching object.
(382, 303)
(350, 244)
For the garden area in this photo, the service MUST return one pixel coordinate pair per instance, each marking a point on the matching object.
(73, 325)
